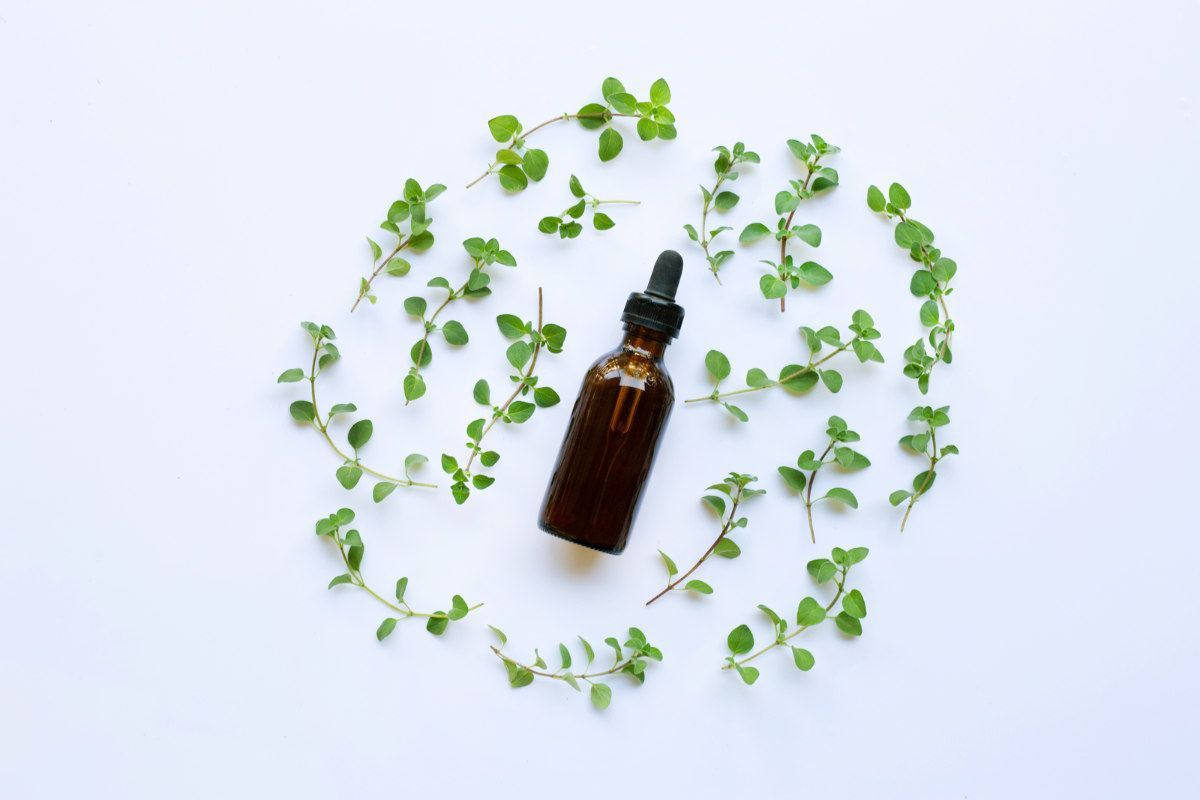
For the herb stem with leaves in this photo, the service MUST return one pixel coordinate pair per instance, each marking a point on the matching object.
(797, 378)
(727, 159)
(566, 224)
(632, 663)
(736, 489)
(351, 548)
(844, 457)
(325, 354)
(413, 209)
(925, 444)
(809, 614)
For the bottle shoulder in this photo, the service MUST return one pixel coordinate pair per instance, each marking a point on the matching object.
(628, 364)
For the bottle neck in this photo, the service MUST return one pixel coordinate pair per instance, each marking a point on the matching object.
(645, 340)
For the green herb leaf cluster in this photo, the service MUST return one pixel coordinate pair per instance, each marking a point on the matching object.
(411, 212)
(725, 166)
(528, 341)
(325, 354)
(733, 491)
(809, 613)
(567, 224)
(931, 281)
(816, 179)
(631, 660)
(516, 163)
(925, 444)
(482, 254)
(797, 378)
(351, 548)
(843, 457)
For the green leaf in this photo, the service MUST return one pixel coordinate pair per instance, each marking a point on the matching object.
(786, 202)
(549, 224)
(414, 387)
(922, 283)
(489, 458)
(512, 178)
(499, 635)
(727, 548)
(510, 326)
(855, 555)
(822, 569)
(601, 695)
(610, 87)
(875, 200)
(725, 201)
(717, 504)
(772, 287)
(519, 411)
(809, 234)
(340, 579)
(698, 586)
(929, 313)
(518, 676)
(458, 608)
(576, 187)
(899, 496)
(848, 624)
(545, 397)
(518, 354)
(455, 333)
(401, 587)
(421, 353)
(854, 604)
(503, 127)
(482, 482)
(758, 379)
(660, 93)
(753, 232)
(385, 628)
(290, 375)
(842, 496)
(610, 144)
(717, 364)
(796, 378)
(804, 659)
(832, 379)
(482, 392)
(565, 655)
(737, 412)
(810, 612)
(814, 274)
(397, 267)
(740, 640)
(748, 674)
(437, 625)
(794, 477)
(647, 129)
(602, 221)
(899, 197)
(302, 411)
(349, 475)
(536, 164)
(360, 433)
(593, 116)
(672, 570)
(449, 464)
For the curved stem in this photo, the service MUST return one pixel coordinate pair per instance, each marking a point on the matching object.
(808, 502)
(322, 427)
(526, 134)
(841, 588)
(716, 396)
(725, 528)
(560, 676)
(364, 290)
(496, 415)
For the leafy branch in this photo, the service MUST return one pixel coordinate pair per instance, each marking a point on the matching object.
(412, 208)
(516, 163)
(565, 224)
(350, 547)
(809, 614)
(528, 342)
(797, 378)
(632, 663)
(325, 354)
(844, 457)
(727, 160)
(482, 254)
(736, 489)
(816, 179)
(931, 281)
(926, 444)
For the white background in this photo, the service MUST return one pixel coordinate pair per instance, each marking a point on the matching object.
(184, 182)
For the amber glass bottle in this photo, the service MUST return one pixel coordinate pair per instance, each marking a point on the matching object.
(617, 422)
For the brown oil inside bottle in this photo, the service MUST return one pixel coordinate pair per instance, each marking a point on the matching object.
(610, 444)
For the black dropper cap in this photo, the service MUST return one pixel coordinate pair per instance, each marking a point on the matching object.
(656, 308)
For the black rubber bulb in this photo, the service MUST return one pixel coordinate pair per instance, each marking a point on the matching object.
(664, 280)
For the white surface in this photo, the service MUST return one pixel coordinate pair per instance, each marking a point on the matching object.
(183, 183)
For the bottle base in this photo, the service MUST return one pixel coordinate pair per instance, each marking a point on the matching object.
(561, 534)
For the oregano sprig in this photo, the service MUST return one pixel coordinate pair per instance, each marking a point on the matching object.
(736, 490)
(728, 158)
(411, 208)
(566, 224)
(797, 378)
(528, 341)
(516, 163)
(350, 547)
(809, 614)
(482, 254)
(816, 179)
(325, 354)
(631, 660)
(931, 281)
(926, 444)
(843, 457)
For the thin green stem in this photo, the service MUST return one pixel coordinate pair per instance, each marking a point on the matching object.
(811, 366)
(560, 675)
(941, 297)
(808, 501)
(933, 460)
(365, 289)
(783, 243)
(779, 640)
(430, 327)
(322, 427)
(725, 528)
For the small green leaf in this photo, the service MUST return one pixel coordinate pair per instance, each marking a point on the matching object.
(822, 569)
(804, 659)
(455, 333)
(482, 392)
(340, 579)
(302, 411)
(610, 144)
(854, 604)
(875, 200)
(748, 674)
(503, 127)
(848, 624)
(842, 496)
(725, 201)
(772, 287)
(576, 187)
(510, 326)
(717, 504)
(520, 411)
(549, 224)
(717, 364)
(349, 475)
(810, 612)
(753, 232)
(660, 93)
(360, 433)
(601, 695)
(499, 635)
(672, 570)
(401, 588)
(385, 628)
(899, 197)
(518, 354)
(899, 496)
(727, 548)
(414, 387)
(602, 221)
(415, 306)
(545, 397)
(793, 477)
(536, 164)
(437, 625)
(740, 640)
(698, 586)
(512, 178)
(832, 379)
(290, 375)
